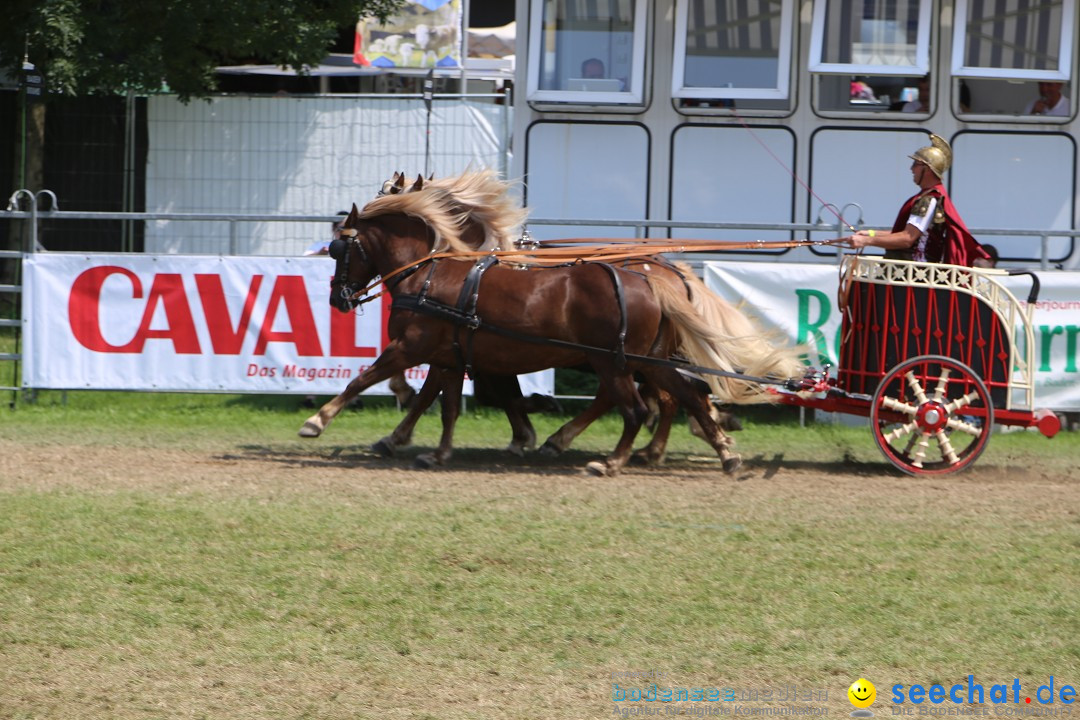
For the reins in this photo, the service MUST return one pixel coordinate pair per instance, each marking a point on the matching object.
(606, 250)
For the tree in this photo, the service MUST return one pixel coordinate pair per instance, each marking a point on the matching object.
(110, 46)
(87, 47)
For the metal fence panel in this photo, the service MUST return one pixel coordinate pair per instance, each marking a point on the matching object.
(299, 156)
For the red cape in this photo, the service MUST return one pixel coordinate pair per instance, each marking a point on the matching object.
(960, 247)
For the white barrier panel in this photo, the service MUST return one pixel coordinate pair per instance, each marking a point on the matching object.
(799, 300)
(198, 324)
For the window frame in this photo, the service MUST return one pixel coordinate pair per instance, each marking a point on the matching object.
(1065, 50)
(782, 90)
(633, 95)
(922, 47)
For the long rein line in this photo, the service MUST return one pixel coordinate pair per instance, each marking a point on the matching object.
(831, 208)
(550, 254)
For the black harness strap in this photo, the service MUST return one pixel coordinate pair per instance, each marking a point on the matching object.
(620, 346)
(468, 296)
(470, 287)
(443, 311)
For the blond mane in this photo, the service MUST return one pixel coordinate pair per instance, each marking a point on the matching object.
(448, 203)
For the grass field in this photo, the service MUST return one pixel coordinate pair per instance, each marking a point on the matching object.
(179, 556)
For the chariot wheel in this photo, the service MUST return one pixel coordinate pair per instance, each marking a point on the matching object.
(931, 415)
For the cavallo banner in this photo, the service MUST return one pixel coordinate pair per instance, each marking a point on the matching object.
(799, 302)
(198, 324)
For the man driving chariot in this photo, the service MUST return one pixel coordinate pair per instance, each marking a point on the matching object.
(928, 227)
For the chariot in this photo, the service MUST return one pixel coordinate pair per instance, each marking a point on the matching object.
(934, 355)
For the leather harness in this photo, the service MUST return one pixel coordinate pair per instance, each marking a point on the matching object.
(464, 316)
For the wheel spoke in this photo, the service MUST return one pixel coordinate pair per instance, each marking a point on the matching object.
(910, 444)
(900, 431)
(946, 448)
(920, 450)
(960, 402)
(943, 382)
(899, 406)
(962, 426)
(916, 387)
(919, 423)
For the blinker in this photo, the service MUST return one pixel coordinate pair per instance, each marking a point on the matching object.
(338, 248)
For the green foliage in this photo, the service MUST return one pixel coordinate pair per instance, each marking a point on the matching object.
(85, 46)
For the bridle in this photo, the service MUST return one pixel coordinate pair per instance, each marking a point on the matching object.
(340, 250)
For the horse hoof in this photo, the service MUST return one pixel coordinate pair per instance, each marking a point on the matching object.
(549, 450)
(646, 459)
(515, 450)
(731, 464)
(383, 448)
(599, 469)
(310, 429)
(729, 422)
(426, 461)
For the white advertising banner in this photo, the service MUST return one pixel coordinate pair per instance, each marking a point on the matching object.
(799, 300)
(198, 324)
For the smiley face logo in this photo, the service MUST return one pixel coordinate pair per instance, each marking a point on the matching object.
(862, 693)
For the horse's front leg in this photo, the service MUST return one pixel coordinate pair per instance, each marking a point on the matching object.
(417, 405)
(561, 438)
(392, 360)
(653, 453)
(696, 402)
(451, 408)
(623, 390)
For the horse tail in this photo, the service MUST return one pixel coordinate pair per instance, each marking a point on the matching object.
(713, 334)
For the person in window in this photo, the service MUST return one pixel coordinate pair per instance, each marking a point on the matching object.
(1050, 101)
(593, 69)
(928, 227)
(922, 102)
(862, 92)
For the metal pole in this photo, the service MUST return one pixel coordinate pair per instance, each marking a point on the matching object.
(33, 243)
(464, 46)
(429, 93)
(504, 151)
(126, 241)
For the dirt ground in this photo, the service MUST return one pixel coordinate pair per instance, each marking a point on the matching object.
(299, 467)
(691, 490)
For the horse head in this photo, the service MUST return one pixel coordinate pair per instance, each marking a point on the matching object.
(354, 269)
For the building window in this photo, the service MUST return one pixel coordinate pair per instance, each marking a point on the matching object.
(871, 56)
(1016, 56)
(1013, 39)
(732, 49)
(587, 51)
(871, 37)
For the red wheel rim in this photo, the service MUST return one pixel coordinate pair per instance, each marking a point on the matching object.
(931, 415)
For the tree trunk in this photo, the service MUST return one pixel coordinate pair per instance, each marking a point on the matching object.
(30, 175)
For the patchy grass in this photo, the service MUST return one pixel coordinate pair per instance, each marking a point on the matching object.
(175, 556)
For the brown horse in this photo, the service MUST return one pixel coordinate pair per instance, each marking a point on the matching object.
(532, 318)
(490, 218)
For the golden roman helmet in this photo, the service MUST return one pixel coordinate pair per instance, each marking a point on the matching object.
(937, 155)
